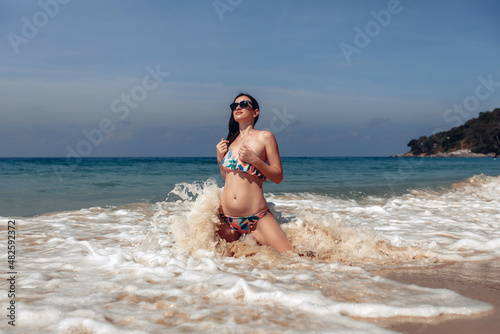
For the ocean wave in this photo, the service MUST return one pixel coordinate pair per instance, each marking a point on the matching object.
(372, 232)
(161, 267)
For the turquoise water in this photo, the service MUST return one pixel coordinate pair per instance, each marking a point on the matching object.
(42, 185)
(98, 249)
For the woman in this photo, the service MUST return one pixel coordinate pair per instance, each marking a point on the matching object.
(242, 159)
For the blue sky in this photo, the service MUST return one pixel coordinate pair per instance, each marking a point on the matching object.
(155, 78)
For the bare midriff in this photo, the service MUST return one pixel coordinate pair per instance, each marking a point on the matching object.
(242, 195)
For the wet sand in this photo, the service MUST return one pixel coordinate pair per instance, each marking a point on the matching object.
(478, 280)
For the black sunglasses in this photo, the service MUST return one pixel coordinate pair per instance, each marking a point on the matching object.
(243, 104)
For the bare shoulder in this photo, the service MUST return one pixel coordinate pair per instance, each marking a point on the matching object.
(266, 136)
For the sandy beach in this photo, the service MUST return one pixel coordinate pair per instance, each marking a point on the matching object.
(478, 280)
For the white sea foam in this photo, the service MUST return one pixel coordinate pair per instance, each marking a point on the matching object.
(156, 269)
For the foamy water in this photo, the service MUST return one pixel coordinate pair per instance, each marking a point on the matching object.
(160, 268)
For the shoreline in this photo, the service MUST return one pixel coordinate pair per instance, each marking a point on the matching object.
(477, 280)
(454, 154)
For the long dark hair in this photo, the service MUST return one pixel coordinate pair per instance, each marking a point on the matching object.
(234, 127)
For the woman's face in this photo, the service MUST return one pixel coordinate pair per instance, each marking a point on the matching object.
(242, 113)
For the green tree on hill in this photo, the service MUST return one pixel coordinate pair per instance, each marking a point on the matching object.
(480, 135)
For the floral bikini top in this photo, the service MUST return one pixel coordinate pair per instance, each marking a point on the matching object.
(231, 163)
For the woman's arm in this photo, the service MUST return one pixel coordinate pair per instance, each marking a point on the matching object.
(273, 171)
(221, 151)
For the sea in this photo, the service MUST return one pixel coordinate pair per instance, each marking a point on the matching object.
(128, 245)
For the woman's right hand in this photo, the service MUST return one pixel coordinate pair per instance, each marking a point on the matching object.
(221, 150)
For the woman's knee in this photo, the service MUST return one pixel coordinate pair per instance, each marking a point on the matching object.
(270, 233)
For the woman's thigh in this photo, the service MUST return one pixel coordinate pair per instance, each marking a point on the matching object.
(268, 232)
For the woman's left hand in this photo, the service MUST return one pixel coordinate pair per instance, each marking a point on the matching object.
(247, 155)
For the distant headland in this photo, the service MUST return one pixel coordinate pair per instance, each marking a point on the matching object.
(478, 137)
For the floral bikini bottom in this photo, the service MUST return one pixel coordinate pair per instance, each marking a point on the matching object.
(243, 224)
